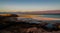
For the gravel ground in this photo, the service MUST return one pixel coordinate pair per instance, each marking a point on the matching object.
(18, 29)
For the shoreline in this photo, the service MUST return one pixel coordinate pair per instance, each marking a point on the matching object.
(38, 17)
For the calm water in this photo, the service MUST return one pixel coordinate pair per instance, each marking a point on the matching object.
(50, 16)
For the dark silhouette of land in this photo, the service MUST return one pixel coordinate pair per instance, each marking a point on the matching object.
(10, 24)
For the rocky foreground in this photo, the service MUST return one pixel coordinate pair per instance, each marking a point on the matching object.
(10, 24)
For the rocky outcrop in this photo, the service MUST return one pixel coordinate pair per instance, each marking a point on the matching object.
(11, 24)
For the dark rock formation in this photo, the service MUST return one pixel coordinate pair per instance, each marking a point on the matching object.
(10, 24)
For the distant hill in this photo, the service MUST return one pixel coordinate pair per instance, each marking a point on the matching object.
(35, 12)
(45, 12)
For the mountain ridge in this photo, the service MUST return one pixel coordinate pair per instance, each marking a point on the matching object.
(34, 12)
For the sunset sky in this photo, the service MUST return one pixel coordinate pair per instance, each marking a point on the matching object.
(28, 5)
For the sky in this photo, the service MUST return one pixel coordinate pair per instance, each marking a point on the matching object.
(28, 5)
